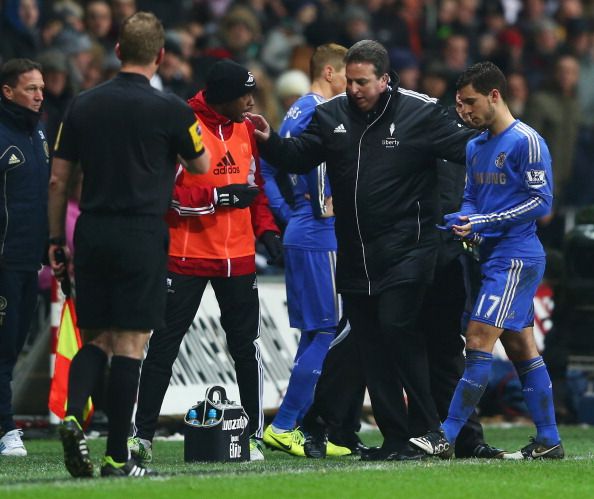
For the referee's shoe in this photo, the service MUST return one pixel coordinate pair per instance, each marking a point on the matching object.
(76, 451)
(130, 468)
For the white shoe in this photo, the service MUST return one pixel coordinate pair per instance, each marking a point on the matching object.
(256, 453)
(12, 445)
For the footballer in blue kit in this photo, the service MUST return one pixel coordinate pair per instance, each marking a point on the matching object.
(508, 187)
(310, 258)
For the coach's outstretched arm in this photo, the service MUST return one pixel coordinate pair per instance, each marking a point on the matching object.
(294, 154)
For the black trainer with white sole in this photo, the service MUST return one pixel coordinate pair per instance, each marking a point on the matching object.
(434, 443)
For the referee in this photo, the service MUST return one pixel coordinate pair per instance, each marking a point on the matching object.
(127, 138)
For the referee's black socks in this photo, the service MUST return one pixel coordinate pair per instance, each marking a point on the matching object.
(86, 368)
(123, 385)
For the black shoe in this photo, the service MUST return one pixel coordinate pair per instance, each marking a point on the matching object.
(407, 453)
(76, 452)
(315, 445)
(350, 440)
(369, 450)
(130, 468)
(486, 451)
(434, 443)
(480, 450)
(536, 450)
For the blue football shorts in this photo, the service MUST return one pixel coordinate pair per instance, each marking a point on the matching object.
(508, 286)
(311, 291)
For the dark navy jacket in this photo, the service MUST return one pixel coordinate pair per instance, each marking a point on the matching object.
(24, 177)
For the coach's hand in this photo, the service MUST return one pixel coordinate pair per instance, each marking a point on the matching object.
(272, 241)
(236, 195)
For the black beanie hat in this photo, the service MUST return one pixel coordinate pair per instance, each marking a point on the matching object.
(227, 81)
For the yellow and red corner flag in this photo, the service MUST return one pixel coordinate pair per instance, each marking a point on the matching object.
(68, 343)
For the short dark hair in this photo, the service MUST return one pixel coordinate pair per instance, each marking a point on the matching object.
(141, 38)
(484, 77)
(372, 52)
(13, 68)
(329, 53)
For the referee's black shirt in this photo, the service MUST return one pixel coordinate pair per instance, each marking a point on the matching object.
(126, 136)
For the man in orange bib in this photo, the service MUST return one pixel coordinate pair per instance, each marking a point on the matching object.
(213, 225)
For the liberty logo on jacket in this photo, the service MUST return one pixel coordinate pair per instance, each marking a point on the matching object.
(391, 142)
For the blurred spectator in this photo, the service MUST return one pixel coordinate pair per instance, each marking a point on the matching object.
(434, 81)
(57, 92)
(467, 23)
(98, 19)
(582, 190)
(410, 12)
(325, 28)
(446, 18)
(71, 13)
(237, 38)
(20, 30)
(404, 62)
(279, 45)
(240, 35)
(388, 27)
(174, 71)
(531, 16)
(91, 65)
(555, 113)
(455, 58)
(356, 26)
(300, 58)
(290, 86)
(517, 94)
(568, 11)
(541, 53)
(80, 51)
(122, 9)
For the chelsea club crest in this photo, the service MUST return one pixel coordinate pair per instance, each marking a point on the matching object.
(500, 160)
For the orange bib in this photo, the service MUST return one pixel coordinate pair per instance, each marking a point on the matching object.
(228, 233)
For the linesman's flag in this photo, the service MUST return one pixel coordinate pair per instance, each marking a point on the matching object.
(68, 343)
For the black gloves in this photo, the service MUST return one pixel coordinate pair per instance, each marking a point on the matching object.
(236, 195)
(272, 241)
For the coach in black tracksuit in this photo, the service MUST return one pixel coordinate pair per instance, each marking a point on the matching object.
(380, 144)
(342, 379)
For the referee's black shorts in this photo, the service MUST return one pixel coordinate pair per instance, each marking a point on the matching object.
(120, 271)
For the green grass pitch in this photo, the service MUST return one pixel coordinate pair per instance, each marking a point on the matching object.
(42, 475)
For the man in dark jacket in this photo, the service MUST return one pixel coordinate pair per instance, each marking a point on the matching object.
(380, 144)
(24, 156)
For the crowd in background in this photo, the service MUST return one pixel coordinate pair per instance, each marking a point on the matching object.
(545, 47)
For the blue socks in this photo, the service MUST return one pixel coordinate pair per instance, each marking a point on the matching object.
(306, 371)
(538, 393)
(468, 392)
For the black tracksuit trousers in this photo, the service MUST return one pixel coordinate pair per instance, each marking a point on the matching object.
(240, 317)
(343, 373)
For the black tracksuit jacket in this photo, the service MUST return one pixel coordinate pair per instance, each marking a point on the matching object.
(382, 169)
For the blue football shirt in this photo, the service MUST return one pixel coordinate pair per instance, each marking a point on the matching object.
(509, 185)
(306, 229)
